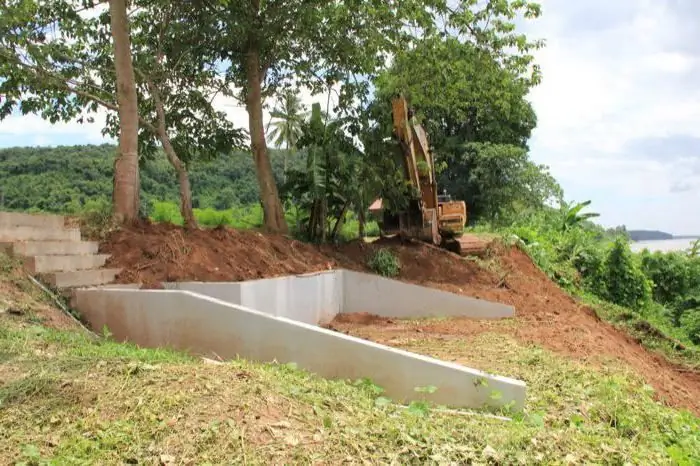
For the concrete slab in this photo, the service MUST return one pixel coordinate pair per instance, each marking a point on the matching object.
(50, 248)
(363, 292)
(14, 219)
(64, 263)
(30, 233)
(204, 325)
(80, 278)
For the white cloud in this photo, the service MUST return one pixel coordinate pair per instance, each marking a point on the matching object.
(34, 128)
(615, 73)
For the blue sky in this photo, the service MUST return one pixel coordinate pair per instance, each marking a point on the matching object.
(618, 110)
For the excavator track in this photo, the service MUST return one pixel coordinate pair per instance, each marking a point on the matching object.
(465, 245)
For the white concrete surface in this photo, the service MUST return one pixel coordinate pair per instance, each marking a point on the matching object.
(204, 325)
(46, 248)
(382, 296)
(317, 298)
(78, 278)
(64, 263)
(15, 219)
(311, 298)
(31, 233)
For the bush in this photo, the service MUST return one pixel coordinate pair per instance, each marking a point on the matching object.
(385, 263)
(213, 218)
(166, 212)
(626, 283)
(690, 322)
(96, 219)
(671, 274)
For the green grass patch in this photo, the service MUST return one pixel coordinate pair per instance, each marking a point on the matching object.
(70, 399)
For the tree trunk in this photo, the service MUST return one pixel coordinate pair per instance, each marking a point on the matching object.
(273, 213)
(361, 221)
(340, 222)
(182, 175)
(126, 166)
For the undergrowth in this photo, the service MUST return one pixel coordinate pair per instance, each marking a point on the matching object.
(384, 262)
(655, 297)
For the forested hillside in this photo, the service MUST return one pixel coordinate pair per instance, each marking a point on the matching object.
(64, 179)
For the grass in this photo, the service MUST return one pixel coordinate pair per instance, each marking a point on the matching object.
(68, 398)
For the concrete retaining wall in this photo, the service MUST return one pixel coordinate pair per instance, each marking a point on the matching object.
(318, 298)
(312, 298)
(363, 292)
(205, 325)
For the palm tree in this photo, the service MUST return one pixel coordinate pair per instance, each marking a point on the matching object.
(288, 115)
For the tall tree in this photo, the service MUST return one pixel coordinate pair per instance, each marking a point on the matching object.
(462, 92)
(126, 165)
(310, 43)
(469, 86)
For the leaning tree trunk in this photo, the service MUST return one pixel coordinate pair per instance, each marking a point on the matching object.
(126, 166)
(182, 175)
(340, 222)
(273, 213)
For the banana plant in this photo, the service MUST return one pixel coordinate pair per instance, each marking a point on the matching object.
(572, 215)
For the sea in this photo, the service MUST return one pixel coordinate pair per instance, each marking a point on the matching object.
(664, 245)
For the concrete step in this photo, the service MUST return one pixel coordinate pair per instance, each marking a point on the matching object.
(64, 263)
(50, 248)
(80, 278)
(27, 233)
(15, 219)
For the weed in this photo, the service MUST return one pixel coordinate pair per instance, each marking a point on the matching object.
(384, 262)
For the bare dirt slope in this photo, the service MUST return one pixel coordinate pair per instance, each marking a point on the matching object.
(152, 253)
(546, 315)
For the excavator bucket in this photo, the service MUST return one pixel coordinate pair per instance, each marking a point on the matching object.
(466, 245)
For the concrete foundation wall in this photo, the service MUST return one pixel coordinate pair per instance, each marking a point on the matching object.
(312, 298)
(364, 292)
(205, 325)
(318, 298)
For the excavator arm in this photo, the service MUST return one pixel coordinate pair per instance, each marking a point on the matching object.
(428, 217)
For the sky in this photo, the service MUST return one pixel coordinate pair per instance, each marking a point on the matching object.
(618, 110)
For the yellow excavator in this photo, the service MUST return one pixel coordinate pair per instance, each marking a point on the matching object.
(429, 217)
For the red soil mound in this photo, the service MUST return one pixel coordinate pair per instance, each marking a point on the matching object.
(545, 314)
(153, 253)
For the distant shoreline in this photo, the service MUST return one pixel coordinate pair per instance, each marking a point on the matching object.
(656, 235)
(665, 239)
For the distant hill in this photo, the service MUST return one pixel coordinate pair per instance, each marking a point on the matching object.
(62, 179)
(648, 235)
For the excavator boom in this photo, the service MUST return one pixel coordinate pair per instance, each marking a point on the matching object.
(429, 217)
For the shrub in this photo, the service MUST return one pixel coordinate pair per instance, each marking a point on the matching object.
(166, 212)
(96, 219)
(213, 218)
(385, 263)
(690, 322)
(626, 283)
(671, 274)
